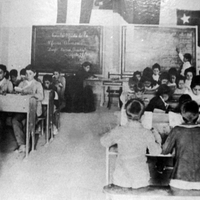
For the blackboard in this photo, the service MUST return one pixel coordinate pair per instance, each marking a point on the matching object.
(66, 47)
(145, 45)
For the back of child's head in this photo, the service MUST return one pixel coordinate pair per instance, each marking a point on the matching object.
(156, 66)
(183, 99)
(188, 56)
(147, 72)
(195, 81)
(134, 109)
(163, 89)
(13, 72)
(190, 111)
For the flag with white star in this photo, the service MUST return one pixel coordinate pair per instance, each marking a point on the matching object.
(189, 17)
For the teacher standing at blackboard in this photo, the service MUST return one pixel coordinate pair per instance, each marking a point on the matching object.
(84, 99)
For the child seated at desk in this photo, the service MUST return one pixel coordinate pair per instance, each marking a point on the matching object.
(5, 85)
(185, 139)
(160, 100)
(137, 91)
(180, 89)
(194, 92)
(189, 74)
(31, 87)
(131, 169)
(47, 85)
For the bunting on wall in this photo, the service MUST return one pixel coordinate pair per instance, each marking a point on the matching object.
(61, 11)
(86, 10)
(138, 11)
(189, 17)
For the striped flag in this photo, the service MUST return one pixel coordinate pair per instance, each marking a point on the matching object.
(189, 17)
(138, 11)
(62, 11)
(86, 10)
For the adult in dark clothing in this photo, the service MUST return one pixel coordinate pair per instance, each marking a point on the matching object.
(83, 99)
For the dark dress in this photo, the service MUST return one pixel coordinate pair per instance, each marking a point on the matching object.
(82, 97)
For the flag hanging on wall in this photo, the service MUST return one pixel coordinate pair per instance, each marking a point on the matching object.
(86, 10)
(138, 11)
(188, 18)
(61, 11)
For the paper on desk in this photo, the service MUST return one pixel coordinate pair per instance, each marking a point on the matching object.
(147, 119)
(175, 119)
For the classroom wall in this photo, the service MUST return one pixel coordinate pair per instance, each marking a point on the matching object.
(18, 16)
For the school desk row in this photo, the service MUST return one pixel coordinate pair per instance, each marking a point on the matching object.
(100, 86)
(17, 103)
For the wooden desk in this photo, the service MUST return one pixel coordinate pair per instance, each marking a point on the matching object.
(21, 104)
(49, 103)
(99, 87)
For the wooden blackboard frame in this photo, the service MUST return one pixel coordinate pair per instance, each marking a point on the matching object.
(126, 70)
(41, 66)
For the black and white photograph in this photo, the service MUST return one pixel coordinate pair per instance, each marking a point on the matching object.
(99, 99)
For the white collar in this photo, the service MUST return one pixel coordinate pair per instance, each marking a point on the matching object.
(2, 81)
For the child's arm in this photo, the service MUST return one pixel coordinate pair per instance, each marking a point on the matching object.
(110, 138)
(39, 95)
(157, 136)
(169, 143)
(153, 146)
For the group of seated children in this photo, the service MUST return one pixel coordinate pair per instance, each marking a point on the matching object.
(134, 142)
(28, 84)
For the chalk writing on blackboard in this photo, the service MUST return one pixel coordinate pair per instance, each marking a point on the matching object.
(66, 47)
(145, 45)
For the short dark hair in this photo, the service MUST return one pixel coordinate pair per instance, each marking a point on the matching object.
(173, 71)
(164, 75)
(190, 111)
(14, 72)
(184, 98)
(190, 69)
(137, 73)
(188, 56)
(22, 71)
(156, 66)
(31, 67)
(195, 81)
(139, 87)
(147, 71)
(3, 68)
(47, 77)
(134, 108)
(57, 69)
(85, 64)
